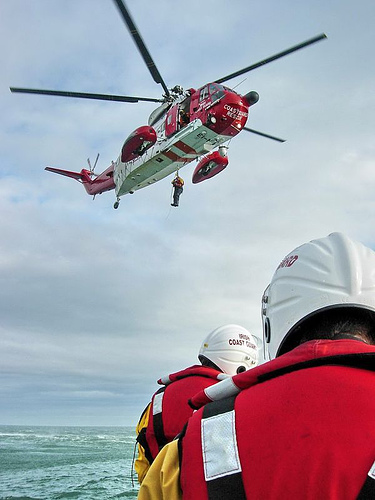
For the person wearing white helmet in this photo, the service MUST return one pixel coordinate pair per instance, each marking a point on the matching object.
(227, 350)
(300, 426)
(231, 349)
(333, 274)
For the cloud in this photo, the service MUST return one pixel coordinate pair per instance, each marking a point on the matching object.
(96, 304)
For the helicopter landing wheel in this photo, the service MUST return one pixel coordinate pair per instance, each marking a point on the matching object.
(116, 204)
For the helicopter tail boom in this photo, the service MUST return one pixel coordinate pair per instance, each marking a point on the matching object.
(82, 176)
(102, 182)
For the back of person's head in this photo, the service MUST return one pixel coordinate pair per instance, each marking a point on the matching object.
(322, 289)
(230, 349)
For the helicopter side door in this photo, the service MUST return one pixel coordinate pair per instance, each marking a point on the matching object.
(171, 121)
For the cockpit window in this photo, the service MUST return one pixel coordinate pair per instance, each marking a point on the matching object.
(216, 91)
(203, 93)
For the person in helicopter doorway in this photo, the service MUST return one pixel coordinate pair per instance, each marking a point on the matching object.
(177, 184)
(184, 118)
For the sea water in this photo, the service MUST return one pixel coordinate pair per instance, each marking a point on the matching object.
(47, 463)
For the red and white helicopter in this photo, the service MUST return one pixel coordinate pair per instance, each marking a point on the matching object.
(186, 126)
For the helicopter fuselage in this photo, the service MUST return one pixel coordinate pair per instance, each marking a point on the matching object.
(191, 126)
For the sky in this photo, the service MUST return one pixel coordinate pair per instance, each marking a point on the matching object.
(95, 303)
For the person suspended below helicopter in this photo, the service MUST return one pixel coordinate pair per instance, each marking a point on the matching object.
(177, 184)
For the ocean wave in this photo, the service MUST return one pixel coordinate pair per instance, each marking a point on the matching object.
(66, 463)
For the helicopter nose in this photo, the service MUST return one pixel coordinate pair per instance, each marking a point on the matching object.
(251, 97)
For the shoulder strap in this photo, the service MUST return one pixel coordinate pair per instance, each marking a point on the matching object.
(141, 433)
(141, 439)
(368, 489)
(180, 438)
(222, 472)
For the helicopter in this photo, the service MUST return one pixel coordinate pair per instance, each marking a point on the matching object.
(193, 124)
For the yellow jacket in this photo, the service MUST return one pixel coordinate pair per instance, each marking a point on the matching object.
(162, 481)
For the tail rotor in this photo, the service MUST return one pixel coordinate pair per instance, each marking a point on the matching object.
(92, 169)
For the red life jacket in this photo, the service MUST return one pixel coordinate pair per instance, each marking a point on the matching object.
(299, 427)
(169, 406)
(177, 182)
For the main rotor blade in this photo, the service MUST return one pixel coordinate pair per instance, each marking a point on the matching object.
(85, 95)
(263, 134)
(141, 45)
(273, 58)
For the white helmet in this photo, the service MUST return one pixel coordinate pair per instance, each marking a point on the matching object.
(327, 273)
(231, 348)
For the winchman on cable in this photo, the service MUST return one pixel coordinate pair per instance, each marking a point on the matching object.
(177, 184)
